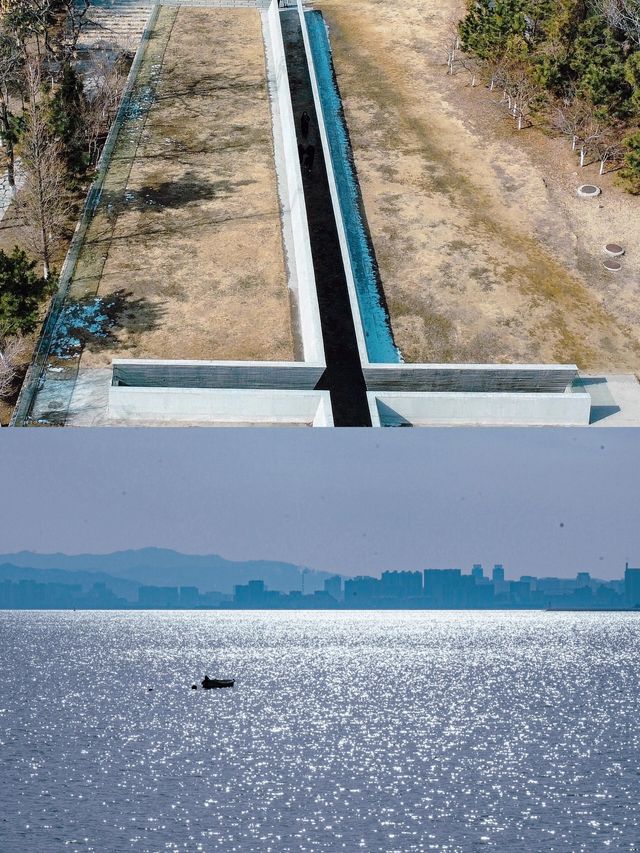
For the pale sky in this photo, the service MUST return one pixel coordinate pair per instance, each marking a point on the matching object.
(355, 501)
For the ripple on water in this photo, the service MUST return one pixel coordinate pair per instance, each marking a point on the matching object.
(374, 731)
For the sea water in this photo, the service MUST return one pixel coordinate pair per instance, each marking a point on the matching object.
(380, 731)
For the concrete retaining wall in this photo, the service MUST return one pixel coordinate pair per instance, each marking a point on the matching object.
(218, 406)
(159, 373)
(216, 4)
(470, 377)
(479, 409)
(292, 196)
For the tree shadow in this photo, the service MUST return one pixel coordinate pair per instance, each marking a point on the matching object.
(170, 195)
(95, 322)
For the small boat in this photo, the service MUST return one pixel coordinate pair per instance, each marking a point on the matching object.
(210, 683)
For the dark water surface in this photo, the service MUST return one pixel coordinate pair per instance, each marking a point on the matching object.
(398, 731)
(343, 376)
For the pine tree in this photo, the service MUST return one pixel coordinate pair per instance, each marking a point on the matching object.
(632, 75)
(598, 62)
(21, 291)
(66, 113)
(489, 26)
(630, 173)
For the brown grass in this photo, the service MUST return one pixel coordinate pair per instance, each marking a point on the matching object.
(479, 259)
(194, 240)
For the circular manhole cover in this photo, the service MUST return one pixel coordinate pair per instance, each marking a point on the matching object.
(612, 266)
(614, 249)
(589, 190)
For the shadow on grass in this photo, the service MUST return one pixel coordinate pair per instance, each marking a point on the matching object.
(96, 322)
(170, 195)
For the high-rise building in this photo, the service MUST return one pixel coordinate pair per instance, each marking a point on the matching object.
(498, 572)
(443, 587)
(360, 591)
(632, 585)
(333, 587)
(477, 571)
(401, 584)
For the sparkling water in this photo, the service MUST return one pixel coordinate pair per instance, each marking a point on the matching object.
(381, 731)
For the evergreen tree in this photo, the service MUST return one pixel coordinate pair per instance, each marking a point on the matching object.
(21, 291)
(490, 25)
(632, 75)
(630, 173)
(66, 113)
(598, 62)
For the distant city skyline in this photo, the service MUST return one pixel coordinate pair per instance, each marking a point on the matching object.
(542, 502)
(431, 589)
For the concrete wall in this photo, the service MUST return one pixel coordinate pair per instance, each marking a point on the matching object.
(470, 377)
(180, 373)
(213, 4)
(219, 406)
(292, 195)
(438, 408)
(324, 412)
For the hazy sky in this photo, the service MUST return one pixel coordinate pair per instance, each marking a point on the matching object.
(540, 501)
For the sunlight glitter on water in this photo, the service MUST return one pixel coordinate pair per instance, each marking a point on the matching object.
(376, 731)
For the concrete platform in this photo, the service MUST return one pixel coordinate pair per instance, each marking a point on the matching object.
(441, 408)
(615, 399)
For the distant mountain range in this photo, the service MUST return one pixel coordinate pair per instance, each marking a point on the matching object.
(124, 571)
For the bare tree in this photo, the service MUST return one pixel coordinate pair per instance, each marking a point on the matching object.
(75, 18)
(66, 20)
(43, 202)
(451, 42)
(11, 65)
(472, 66)
(497, 72)
(592, 136)
(609, 149)
(11, 352)
(575, 119)
(623, 15)
(523, 95)
(105, 84)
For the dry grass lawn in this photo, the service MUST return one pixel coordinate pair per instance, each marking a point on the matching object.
(485, 252)
(186, 242)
